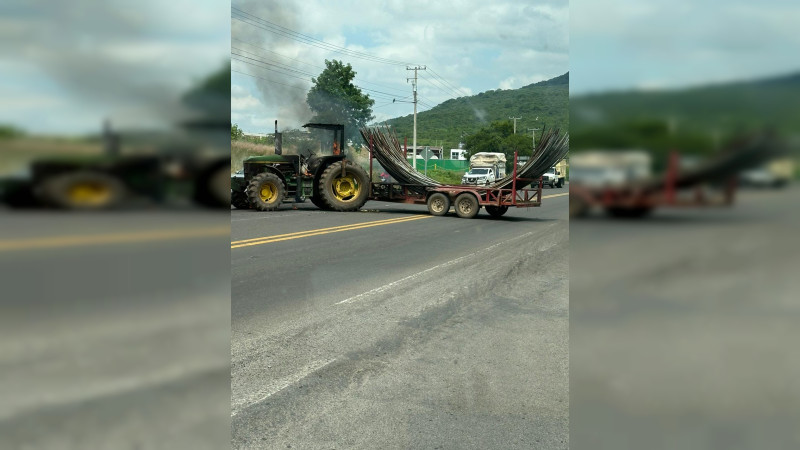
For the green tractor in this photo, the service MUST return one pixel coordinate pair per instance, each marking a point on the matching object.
(331, 182)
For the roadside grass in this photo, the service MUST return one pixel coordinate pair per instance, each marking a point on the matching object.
(17, 153)
(241, 149)
(446, 176)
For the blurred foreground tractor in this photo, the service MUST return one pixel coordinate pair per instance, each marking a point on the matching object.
(331, 182)
(111, 179)
(188, 161)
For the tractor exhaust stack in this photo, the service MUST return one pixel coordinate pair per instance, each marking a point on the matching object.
(278, 140)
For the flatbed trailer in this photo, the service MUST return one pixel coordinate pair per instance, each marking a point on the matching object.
(466, 199)
(633, 201)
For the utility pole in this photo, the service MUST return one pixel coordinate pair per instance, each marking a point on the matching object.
(533, 135)
(414, 85)
(515, 119)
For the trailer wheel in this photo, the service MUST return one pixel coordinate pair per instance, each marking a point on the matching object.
(438, 204)
(346, 192)
(467, 206)
(82, 191)
(496, 211)
(266, 191)
(239, 200)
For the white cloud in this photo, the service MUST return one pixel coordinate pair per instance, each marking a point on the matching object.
(245, 103)
(621, 44)
(123, 61)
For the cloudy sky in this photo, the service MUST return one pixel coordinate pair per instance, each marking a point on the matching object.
(468, 46)
(623, 44)
(64, 66)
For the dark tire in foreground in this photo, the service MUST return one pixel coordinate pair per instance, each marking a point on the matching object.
(496, 211)
(578, 207)
(239, 200)
(629, 213)
(319, 203)
(467, 206)
(212, 187)
(344, 192)
(266, 191)
(438, 204)
(20, 196)
(82, 191)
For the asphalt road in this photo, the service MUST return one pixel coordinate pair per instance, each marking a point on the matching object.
(683, 328)
(114, 330)
(410, 331)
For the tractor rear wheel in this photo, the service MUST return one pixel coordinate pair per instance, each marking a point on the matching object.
(266, 191)
(438, 204)
(467, 206)
(82, 191)
(346, 191)
(496, 211)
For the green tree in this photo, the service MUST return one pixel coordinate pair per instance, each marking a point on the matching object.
(335, 99)
(236, 132)
(10, 131)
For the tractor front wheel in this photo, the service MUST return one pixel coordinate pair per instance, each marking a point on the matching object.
(266, 191)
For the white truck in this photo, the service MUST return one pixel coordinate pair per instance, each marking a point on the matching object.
(485, 168)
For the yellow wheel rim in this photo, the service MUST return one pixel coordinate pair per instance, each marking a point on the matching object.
(89, 194)
(346, 187)
(267, 192)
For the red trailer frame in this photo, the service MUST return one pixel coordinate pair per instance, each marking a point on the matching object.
(498, 200)
(632, 201)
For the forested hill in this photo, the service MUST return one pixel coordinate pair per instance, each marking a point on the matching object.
(548, 100)
(697, 115)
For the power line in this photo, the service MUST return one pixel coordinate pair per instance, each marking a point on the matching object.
(439, 85)
(263, 64)
(458, 90)
(315, 66)
(271, 81)
(266, 25)
(273, 63)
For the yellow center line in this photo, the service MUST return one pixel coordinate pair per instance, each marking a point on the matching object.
(312, 231)
(278, 238)
(112, 238)
(555, 195)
